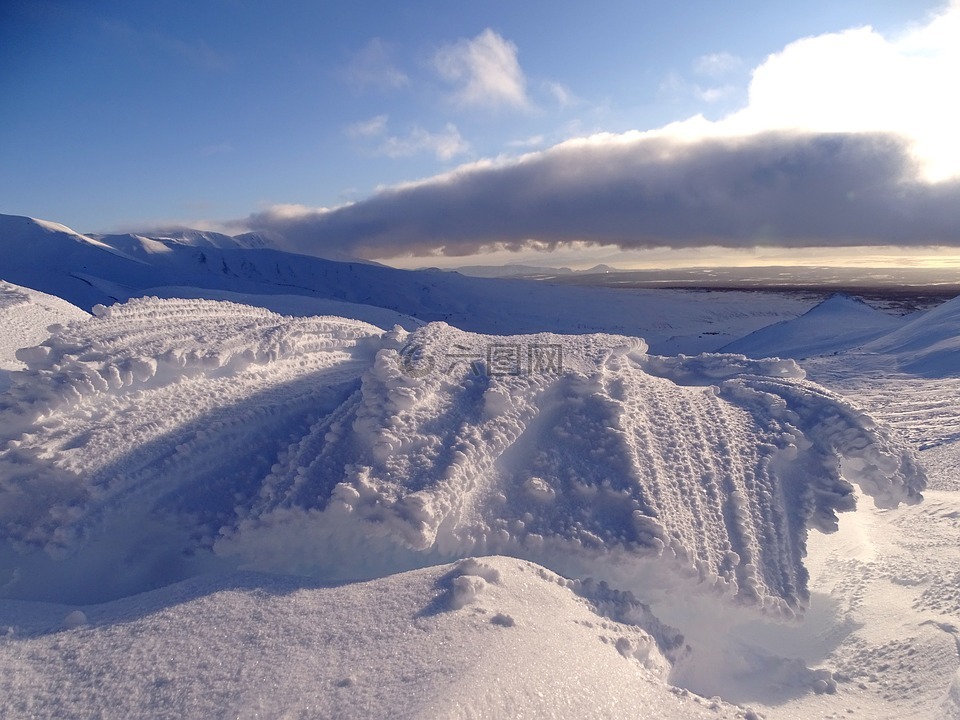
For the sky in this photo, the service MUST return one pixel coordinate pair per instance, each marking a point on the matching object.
(458, 133)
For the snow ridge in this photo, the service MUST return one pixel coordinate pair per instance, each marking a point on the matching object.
(323, 445)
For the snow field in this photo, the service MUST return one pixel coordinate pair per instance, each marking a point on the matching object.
(165, 440)
(226, 434)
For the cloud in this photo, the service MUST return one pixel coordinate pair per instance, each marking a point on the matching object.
(560, 94)
(368, 128)
(716, 65)
(861, 81)
(372, 67)
(675, 87)
(445, 145)
(528, 142)
(485, 71)
(847, 139)
(647, 190)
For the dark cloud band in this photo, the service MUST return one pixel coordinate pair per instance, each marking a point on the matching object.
(771, 189)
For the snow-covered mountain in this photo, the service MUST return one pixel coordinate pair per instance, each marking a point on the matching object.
(922, 343)
(86, 272)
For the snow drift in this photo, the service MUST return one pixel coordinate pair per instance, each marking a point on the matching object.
(162, 438)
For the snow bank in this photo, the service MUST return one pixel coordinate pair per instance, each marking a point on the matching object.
(180, 434)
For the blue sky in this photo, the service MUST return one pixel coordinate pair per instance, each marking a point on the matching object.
(118, 115)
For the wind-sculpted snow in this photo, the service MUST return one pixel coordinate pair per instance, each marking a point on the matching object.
(24, 317)
(183, 434)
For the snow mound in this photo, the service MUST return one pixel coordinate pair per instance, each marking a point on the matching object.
(249, 645)
(166, 436)
(928, 345)
(838, 323)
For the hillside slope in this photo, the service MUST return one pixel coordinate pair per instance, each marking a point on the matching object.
(837, 324)
(86, 272)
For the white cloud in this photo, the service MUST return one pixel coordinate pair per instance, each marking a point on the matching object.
(373, 67)
(445, 145)
(861, 81)
(715, 94)
(533, 141)
(560, 93)
(368, 128)
(716, 65)
(485, 71)
(675, 87)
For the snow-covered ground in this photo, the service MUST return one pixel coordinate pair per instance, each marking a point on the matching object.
(209, 509)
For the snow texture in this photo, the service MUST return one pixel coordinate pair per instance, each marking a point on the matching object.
(165, 437)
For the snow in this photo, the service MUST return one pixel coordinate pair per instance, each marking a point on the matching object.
(928, 345)
(87, 272)
(838, 323)
(248, 645)
(295, 493)
(272, 439)
(25, 316)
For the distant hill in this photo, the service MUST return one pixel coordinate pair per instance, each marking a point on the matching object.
(838, 323)
(87, 271)
(496, 271)
(928, 344)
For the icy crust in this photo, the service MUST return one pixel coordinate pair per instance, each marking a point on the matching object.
(714, 466)
(323, 446)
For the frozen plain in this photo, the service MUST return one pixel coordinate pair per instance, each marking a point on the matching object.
(173, 469)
